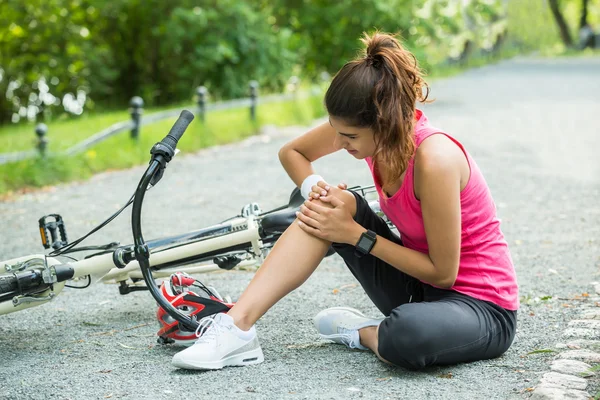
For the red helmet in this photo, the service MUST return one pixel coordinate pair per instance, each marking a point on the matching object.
(190, 297)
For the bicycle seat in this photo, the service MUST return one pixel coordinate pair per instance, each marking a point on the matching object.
(278, 222)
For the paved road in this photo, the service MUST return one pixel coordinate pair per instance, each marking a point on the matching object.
(531, 126)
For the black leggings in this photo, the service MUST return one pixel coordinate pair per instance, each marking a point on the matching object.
(425, 325)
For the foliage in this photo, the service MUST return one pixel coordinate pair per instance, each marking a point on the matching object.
(223, 46)
(530, 25)
(42, 53)
(326, 33)
(451, 29)
(110, 51)
(163, 50)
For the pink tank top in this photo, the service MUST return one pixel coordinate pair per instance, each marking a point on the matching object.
(486, 270)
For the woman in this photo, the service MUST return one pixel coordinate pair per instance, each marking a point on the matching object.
(447, 289)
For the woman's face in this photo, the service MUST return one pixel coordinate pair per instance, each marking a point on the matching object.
(357, 141)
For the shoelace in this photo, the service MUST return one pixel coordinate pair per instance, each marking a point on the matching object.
(346, 337)
(203, 333)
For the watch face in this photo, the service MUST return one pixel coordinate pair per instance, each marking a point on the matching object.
(365, 242)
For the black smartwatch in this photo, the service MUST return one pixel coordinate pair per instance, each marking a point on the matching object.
(365, 243)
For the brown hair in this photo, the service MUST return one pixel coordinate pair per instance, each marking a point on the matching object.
(379, 90)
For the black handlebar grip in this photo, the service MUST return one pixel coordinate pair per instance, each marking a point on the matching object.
(178, 129)
(8, 284)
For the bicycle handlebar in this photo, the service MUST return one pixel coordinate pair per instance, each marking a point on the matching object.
(164, 150)
(178, 129)
(8, 284)
(162, 153)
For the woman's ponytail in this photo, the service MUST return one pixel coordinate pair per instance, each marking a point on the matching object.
(380, 90)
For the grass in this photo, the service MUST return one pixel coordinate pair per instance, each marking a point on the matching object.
(121, 151)
(62, 134)
(594, 382)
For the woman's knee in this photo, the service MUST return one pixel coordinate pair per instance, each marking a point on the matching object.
(349, 200)
(346, 196)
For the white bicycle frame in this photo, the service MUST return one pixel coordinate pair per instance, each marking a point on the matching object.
(102, 267)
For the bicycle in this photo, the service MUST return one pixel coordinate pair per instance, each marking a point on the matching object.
(243, 240)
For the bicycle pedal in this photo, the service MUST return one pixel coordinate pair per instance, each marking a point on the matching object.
(227, 262)
(53, 231)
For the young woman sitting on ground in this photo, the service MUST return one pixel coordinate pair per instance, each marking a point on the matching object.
(447, 288)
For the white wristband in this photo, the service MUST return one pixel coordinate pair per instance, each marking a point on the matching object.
(308, 183)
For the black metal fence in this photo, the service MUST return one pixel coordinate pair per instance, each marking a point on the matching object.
(138, 120)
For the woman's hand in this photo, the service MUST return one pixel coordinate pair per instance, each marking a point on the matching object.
(331, 221)
(322, 188)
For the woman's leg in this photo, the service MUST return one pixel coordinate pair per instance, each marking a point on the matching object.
(447, 328)
(369, 337)
(292, 260)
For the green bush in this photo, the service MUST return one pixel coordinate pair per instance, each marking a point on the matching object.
(101, 53)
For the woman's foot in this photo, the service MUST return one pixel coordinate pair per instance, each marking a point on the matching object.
(220, 344)
(341, 325)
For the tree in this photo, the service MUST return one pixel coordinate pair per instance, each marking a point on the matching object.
(585, 31)
(563, 27)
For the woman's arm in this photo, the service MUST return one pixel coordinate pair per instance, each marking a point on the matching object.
(440, 167)
(297, 155)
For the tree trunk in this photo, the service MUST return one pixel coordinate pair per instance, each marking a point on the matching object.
(584, 14)
(563, 28)
(6, 107)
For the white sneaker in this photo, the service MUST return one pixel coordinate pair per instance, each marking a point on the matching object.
(220, 344)
(341, 325)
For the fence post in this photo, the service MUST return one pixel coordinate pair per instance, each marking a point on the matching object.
(201, 92)
(41, 130)
(136, 109)
(253, 99)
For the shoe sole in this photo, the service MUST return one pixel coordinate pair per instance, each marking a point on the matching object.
(334, 338)
(238, 360)
(184, 343)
